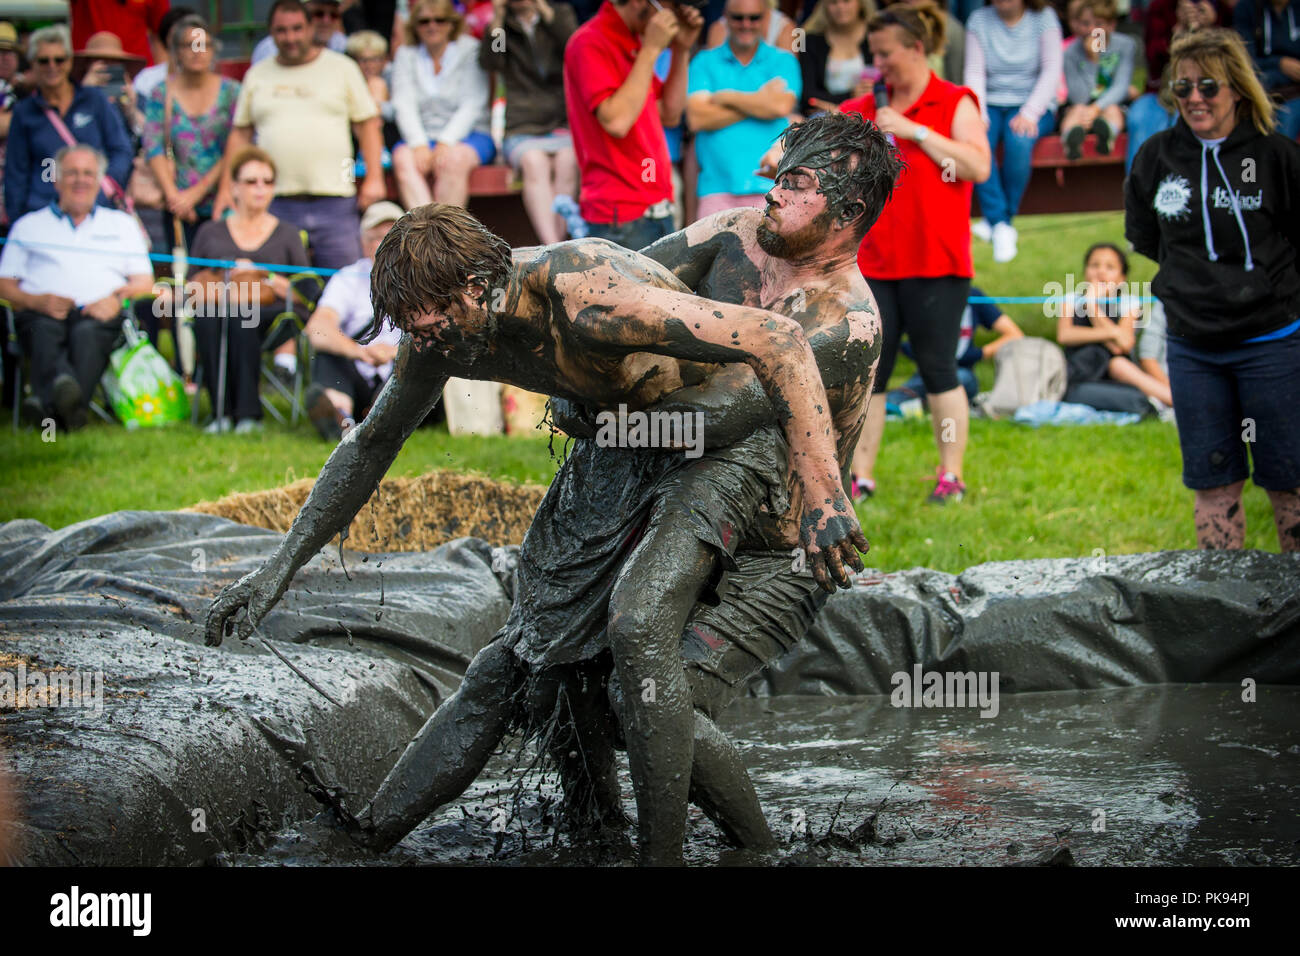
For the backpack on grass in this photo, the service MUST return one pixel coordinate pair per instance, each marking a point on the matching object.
(1028, 370)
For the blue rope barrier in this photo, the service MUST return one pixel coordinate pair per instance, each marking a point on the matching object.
(165, 257)
(298, 270)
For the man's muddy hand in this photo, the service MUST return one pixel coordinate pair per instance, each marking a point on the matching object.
(254, 594)
(830, 535)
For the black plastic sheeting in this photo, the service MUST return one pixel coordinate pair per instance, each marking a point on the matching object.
(197, 751)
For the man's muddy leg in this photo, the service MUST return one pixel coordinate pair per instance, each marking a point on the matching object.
(449, 751)
(720, 786)
(655, 593)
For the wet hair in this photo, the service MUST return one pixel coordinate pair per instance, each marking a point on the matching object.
(1221, 54)
(853, 159)
(428, 257)
(1123, 259)
(250, 154)
(923, 24)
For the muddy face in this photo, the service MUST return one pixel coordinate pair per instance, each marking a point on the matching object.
(797, 221)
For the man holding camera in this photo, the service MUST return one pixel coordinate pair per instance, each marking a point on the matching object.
(618, 109)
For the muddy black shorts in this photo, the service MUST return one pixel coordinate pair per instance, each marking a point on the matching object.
(594, 515)
(765, 608)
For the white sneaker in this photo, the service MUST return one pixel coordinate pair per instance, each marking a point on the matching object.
(1004, 242)
(248, 426)
(982, 231)
(218, 425)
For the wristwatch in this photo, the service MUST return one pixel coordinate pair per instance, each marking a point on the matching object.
(921, 133)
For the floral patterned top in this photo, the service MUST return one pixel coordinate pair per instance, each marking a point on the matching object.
(197, 142)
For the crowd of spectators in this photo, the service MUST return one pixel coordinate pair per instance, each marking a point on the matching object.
(621, 119)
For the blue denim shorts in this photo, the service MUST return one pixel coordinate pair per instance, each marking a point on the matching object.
(1234, 402)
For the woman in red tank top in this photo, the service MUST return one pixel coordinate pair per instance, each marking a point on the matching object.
(917, 256)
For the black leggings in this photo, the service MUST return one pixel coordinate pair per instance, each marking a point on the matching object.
(929, 311)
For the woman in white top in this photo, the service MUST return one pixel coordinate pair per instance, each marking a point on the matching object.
(836, 61)
(440, 97)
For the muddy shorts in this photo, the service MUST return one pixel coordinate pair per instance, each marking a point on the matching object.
(765, 608)
(594, 514)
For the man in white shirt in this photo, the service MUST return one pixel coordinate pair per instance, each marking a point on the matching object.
(350, 366)
(68, 270)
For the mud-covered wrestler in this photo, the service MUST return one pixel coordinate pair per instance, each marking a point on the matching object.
(585, 320)
(634, 538)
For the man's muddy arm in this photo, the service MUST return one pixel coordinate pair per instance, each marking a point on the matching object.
(732, 399)
(346, 482)
(613, 313)
(690, 253)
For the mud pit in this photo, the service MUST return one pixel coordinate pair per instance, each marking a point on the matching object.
(1184, 774)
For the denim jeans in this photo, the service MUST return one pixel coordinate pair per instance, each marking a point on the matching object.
(1229, 400)
(332, 224)
(636, 234)
(1145, 118)
(1001, 193)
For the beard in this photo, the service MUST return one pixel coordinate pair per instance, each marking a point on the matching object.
(799, 243)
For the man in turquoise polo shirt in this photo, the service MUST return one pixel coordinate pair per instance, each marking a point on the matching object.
(739, 98)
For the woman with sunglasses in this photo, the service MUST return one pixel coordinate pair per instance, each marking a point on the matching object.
(40, 121)
(440, 96)
(1215, 201)
(247, 296)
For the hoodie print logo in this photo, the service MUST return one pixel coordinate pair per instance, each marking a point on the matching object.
(1223, 200)
(1173, 197)
(82, 119)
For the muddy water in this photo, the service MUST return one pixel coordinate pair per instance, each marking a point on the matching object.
(1170, 774)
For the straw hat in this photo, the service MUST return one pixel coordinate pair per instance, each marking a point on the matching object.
(8, 36)
(108, 47)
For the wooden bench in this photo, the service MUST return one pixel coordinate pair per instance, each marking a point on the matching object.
(1092, 183)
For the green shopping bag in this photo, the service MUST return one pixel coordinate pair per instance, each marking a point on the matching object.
(142, 388)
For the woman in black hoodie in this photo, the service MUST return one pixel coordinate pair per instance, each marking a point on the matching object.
(1215, 200)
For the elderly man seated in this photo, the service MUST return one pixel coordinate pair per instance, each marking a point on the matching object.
(347, 372)
(67, 270)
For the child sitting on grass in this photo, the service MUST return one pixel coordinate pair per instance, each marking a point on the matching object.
(1098, 70)
(1097, 327)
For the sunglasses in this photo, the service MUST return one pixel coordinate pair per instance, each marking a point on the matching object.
(1208, 86)
(51, 60)
(326, 13)
(256, 182)
(744, 17)
(425, 21)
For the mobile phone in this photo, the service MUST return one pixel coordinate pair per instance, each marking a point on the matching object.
(116, 82)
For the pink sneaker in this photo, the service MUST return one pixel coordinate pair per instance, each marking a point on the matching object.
(861, 488)
(949, 488)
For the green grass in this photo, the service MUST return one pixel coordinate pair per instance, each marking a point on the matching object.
(1050, 492)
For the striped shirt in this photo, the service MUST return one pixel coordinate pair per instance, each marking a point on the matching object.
(1014, 66)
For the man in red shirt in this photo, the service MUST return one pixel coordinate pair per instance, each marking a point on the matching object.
(618, 109)
(130, 20)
